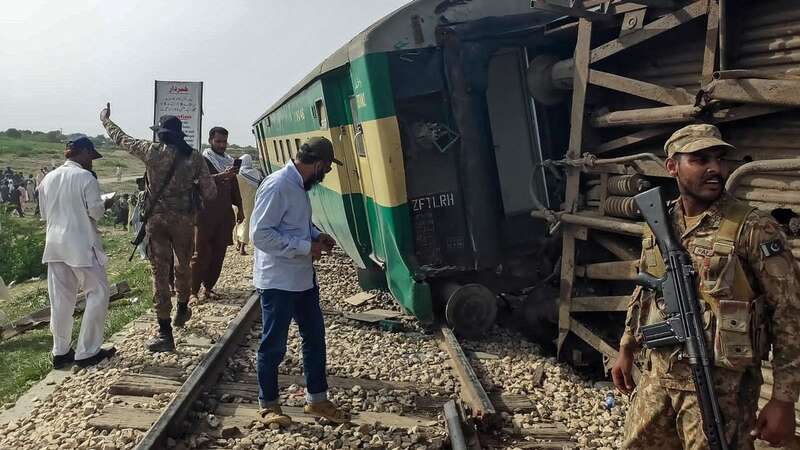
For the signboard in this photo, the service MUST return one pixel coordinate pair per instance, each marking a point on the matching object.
(183, 99)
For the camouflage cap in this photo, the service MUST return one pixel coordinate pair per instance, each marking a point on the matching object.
(693, 138)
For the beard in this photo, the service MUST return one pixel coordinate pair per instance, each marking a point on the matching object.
(703, 190)
(315, 180)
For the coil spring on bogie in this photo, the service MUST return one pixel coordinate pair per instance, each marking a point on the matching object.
(624, 207)
(627, 185)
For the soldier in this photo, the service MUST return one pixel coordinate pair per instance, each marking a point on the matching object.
(747, 285)
(170, 227)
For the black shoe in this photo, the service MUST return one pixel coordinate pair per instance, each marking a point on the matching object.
(163, 342)
(99, 356)
(65, 360)
(183, 314)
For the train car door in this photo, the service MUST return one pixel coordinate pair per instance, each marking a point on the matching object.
(367, 187)
(514, 131)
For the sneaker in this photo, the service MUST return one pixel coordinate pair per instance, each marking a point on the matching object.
(182, 315)
(274, 414)
(327, 410)
(65, 360)
(99, 356)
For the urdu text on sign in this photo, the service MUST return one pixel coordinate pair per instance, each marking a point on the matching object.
(183, 99)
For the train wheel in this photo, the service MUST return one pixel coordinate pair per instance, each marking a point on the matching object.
(471, 309)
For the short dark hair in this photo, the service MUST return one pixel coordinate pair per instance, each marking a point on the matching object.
(216, 130)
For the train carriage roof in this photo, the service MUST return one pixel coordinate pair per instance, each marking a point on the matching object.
(411, 26)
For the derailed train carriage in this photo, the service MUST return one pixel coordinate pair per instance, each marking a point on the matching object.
(491, 148)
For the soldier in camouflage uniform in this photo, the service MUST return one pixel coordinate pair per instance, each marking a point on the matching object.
(170, 228)
(748, 289)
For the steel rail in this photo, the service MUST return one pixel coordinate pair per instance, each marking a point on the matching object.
(475, 397)
(454, 431)
(169, 422)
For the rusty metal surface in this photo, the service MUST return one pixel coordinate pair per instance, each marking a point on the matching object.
(760, 167)
(755, 90)
(627, 185)
(613, 270)
(478, 402)
(770, 38)
(632, 106)
(624, 207)
(598, 223)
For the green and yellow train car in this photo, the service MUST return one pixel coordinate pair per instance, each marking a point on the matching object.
(414, 213)
(492, 147)
(363, 203)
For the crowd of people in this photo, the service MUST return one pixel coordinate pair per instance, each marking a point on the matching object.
(18, 191)
(193, 205)
(190, 206)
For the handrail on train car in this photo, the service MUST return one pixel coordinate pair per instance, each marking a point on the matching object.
(773, 165)
(590, 160)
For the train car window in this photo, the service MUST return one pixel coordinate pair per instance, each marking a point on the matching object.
(275, 146)
(262, 139)
(321, 114)
(283, 155)
(289, 148)
(297, 144)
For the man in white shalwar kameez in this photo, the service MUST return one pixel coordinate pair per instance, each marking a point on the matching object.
(70, 203)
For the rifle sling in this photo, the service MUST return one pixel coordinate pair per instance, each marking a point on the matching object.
(157, 196)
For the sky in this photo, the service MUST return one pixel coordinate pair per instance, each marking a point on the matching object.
(61, 61)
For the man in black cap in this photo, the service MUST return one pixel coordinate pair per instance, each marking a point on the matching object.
(286, 245)
(174, 170)
(71, 205)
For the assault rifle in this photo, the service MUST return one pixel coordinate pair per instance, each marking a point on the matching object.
(684, 323)
(138, 240)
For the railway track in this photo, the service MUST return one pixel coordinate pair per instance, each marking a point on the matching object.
(170, 421)
(235, 419)
(210, 409)
(398, 382)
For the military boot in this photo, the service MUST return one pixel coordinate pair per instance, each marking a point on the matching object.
(164, 341)
(182, 315)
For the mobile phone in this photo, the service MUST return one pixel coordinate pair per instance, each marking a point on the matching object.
(237, 164)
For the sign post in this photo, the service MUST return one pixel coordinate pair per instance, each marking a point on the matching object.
(183, 99)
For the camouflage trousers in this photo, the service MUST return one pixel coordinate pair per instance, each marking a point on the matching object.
(170, 235)
(663, 418)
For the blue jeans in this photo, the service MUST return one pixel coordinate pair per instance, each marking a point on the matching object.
(278, 308)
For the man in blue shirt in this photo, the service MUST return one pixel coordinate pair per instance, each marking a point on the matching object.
(286, 244)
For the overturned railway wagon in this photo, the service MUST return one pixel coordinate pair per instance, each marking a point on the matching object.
(491, 148)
